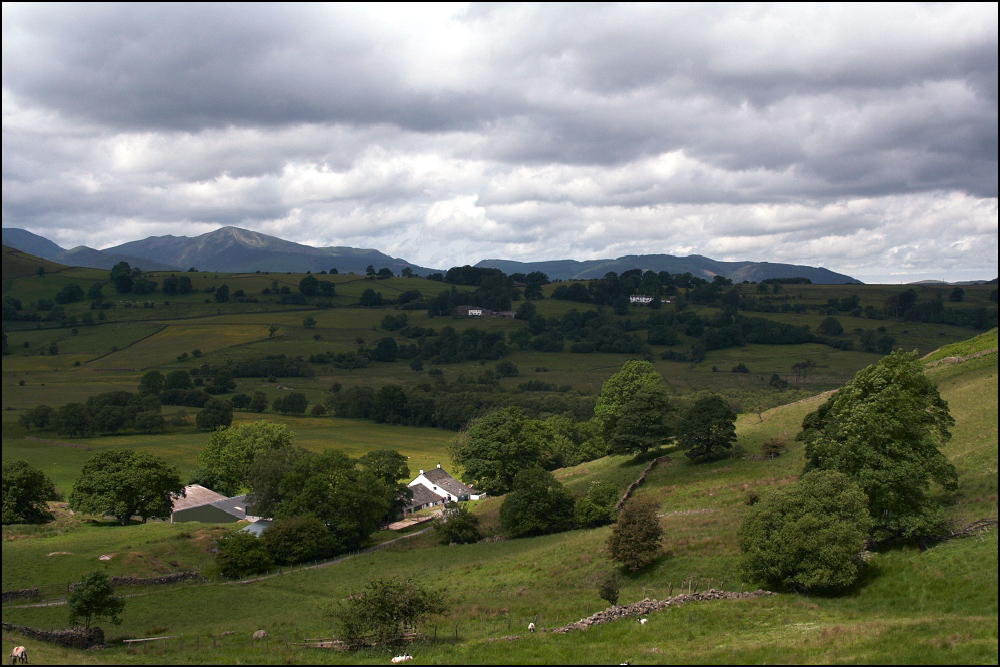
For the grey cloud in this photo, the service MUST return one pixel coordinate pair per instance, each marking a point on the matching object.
(579, 129)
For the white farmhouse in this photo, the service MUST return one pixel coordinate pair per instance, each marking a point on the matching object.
(441, 483)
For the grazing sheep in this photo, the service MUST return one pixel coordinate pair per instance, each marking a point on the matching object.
(260, 634)
(402, 658)
(642, 621)
(531, 627)
(19, 654)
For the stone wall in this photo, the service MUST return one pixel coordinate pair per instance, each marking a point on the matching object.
(647, 606)
(75, 638)
(19, 594)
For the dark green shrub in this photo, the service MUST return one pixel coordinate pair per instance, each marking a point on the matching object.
(597, 507)
(807, 536)
(457, 525)
(296, 540)
(537, 505)
(635, 540)
(241, 554)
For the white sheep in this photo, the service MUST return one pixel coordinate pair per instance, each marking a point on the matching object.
(19, 654)
(402, 658)
(642, 621)
(531, 627)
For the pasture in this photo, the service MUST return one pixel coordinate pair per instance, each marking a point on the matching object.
(921, 606)
(937, 605)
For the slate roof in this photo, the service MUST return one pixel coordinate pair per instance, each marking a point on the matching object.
(195, 495)
(422, 496)
(447, 482)
(198, 496)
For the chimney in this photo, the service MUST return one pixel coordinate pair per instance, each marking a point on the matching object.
(421, 472)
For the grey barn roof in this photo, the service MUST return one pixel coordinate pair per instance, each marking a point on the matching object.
(447, 482)
(422, 496)
(194, 496)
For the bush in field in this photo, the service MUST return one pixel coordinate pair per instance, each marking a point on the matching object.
(26, 490)
(241, 554)
(296, 540)
(94, 597)
(382, 610)
(598, 506)
(457, 525)
(537, 505)
(773, 448)
(636, 537)
(807, 536)
(609, 586)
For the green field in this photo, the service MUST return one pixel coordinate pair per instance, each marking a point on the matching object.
(934, 606)
(922, 606)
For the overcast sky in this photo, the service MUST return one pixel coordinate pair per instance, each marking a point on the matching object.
(862, 138)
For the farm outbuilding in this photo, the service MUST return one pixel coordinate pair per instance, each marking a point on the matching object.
(207, 506)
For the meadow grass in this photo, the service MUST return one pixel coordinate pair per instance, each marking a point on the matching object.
(984, 341)
(916, 606)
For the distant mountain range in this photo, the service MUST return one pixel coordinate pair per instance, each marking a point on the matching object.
(696, 265)
(229, 249)
(237, 250)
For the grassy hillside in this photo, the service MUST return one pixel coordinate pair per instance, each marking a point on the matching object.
(17, 264)
(911, 606)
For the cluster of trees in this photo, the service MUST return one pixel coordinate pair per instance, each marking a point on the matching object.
(538, 504)
(632, 415)
(26, 493)
(129, 280)
(872, 455)
(350, 498)
(907, 307)
(586, 332)
(106, 413)
(451, 405)
(614, 290)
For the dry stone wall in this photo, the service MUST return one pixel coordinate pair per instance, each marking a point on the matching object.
(75, 638)
(647, 606)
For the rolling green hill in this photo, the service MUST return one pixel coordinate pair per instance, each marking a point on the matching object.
(934, 606)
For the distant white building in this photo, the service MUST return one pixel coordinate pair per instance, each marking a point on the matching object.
(640, 298)
(440, 483)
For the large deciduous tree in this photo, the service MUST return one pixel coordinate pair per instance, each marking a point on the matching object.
(390, 466)
(642, 422)
(495, 448)
(124, 483)
(230, 451)
(883, 429)
(537, 505)
(708, 429)
(26, 490)
(619, 389)
(807, 536)
(329, 485)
